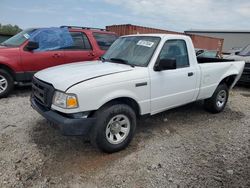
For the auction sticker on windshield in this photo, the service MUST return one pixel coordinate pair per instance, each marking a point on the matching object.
(26, 35)
(145, 43)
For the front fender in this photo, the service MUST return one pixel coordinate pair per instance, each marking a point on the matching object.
(118, 94)
(11, 59)
(92, 98)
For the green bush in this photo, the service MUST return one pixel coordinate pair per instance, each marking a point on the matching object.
(9, 29)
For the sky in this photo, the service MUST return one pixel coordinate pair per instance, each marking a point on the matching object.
(176, 15)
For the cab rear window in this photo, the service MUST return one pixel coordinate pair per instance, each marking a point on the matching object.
(104, 40)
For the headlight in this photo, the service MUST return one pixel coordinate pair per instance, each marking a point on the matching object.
(65, 100)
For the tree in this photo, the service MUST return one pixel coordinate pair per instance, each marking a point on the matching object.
(9, 29)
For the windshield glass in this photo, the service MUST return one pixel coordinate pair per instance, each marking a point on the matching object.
(245, 51)
(134, 50)
(18, 39)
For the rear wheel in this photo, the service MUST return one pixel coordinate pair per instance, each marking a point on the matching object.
(218, 101)
(6, 83)
(114, 128)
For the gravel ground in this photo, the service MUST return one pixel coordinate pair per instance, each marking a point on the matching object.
(184, 147)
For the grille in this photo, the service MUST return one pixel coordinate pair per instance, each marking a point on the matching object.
(247, 68)
(42, 92)
(247, 65)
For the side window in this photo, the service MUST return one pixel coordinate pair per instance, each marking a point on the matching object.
(86, 42)
(175, 49)
(104, 40)
(80, 42)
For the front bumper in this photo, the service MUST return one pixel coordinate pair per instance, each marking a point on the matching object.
(68, 126)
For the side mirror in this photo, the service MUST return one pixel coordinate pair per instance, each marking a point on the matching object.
(165, 64)
(32, 45)
(237, 53)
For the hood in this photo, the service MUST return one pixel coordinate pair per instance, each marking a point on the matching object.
(7, 48)
(64, 76)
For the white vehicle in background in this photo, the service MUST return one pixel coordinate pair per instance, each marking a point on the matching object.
(233, 51)
(243, 55)
(139, 75)
(206, 53)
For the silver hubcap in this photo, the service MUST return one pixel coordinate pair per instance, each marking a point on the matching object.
(221, 98)
(117, 129)
(3, 84)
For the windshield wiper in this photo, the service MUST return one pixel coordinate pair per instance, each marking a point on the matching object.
(122, 61)
(8, 45)
(102, 59)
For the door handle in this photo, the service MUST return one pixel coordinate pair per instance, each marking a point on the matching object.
(92, 54)
(56, 55)
(190, 74)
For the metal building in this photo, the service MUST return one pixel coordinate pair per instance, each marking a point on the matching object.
(232, 39)
(204, 42)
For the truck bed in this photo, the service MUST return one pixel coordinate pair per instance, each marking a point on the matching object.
(212, 60)
(213, 70)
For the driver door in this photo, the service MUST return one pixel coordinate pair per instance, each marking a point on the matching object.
(170, 88)
(33, 61)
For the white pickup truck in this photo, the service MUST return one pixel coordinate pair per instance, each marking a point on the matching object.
(139, 75)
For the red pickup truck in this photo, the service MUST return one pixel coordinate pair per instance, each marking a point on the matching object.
(19, 60)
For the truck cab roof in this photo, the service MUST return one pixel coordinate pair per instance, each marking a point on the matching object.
(174, 36)
(78, 28)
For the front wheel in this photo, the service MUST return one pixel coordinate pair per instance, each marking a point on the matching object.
(218, 101)
(6, 83)
(114, 128)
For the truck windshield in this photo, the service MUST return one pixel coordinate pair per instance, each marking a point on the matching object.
(133, 50)
(18, 39)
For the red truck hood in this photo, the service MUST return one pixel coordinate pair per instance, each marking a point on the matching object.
(6, 51)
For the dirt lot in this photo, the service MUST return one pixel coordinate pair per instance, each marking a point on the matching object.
(185, 147)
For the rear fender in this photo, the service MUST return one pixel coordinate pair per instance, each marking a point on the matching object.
(235, 69)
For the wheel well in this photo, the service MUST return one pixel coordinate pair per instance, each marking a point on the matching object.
(125, 100)
(229, 80)
(8, 69)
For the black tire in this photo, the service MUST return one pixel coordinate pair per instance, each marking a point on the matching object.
(213, 104)
(104, 116)
(10, 83)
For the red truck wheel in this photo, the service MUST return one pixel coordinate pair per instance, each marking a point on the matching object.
(6, 83)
